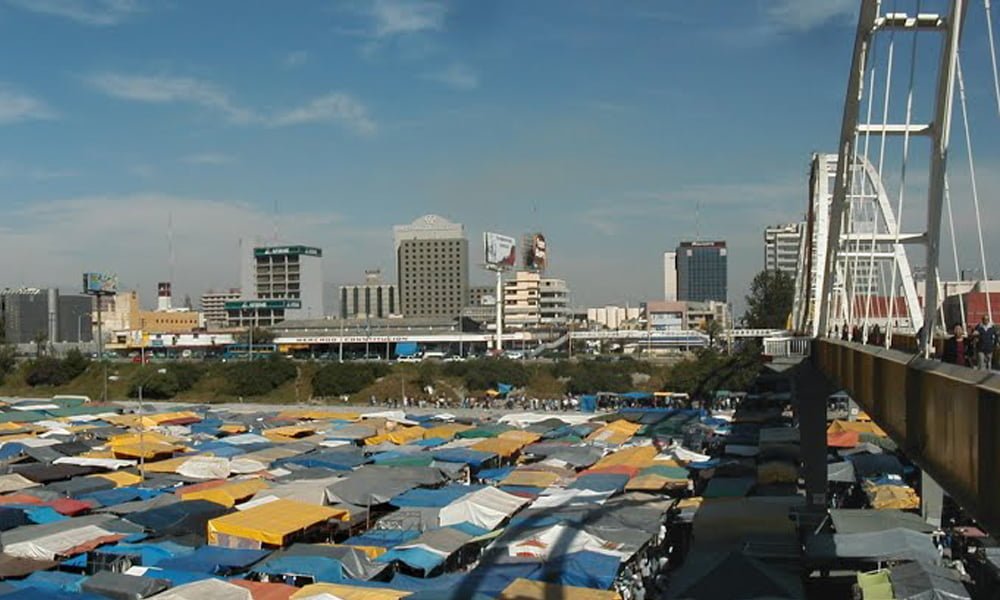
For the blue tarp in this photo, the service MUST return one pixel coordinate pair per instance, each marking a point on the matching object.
(225, 450)
(405, 349)
(120, 495)
(52, 581)
(601, 482)
(474, 458)
(439, 497)
(430, 442)
(320, 568)
(214, 559)
(415, 558)
(588, 403)
(494, 474)
(504, 388)
(580, 569)
(10, 450)
(149, 553)
(36, 593)
(43, 514)
(175, 577)
(12, 517)
(383, 538)
(637, 396)
(341, 460)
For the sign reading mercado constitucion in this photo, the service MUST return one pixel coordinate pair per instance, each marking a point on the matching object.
(500, 250)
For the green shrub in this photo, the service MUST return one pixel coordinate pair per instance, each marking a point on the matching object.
(259, 377)
(337, 379)
(174, 379)
(484, 374)
(7, 359)
(48, 370)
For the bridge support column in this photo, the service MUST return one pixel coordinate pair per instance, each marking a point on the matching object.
(931, 500)
(811, 391)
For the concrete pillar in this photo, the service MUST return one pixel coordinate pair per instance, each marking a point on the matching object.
(931, 500)
(812, 389)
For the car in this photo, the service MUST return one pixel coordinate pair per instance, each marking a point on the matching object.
(454, 358)
(413, 358)
(514, 354)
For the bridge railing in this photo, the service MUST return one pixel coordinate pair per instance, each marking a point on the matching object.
(785, 346)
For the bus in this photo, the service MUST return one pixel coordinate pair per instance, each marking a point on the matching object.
(243, 351)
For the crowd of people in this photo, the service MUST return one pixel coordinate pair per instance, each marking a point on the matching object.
(977, 350)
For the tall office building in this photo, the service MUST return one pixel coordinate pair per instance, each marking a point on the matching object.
(30, 313)
(781, 247)
(531, 301)
(213, 305)
(372, 299)
(702, 272)
(670, 276)
(432, 266)
(285, 282)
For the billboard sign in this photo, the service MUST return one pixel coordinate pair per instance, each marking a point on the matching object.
(500, 250)
(101, 284)
(535, 254)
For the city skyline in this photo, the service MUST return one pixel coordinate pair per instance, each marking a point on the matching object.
(330, 123)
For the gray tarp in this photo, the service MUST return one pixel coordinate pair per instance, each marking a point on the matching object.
(355, 562)
(848, 520)
(732, 576)
(140, 505)
(891, 544)
(446, 539)
(841, 472)
(922, 581)
(118, 586)
(371, 485)
(33, 532)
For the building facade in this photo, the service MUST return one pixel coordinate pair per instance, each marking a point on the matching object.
(670, 276)
(432, 266)
(702, 272)
(531, 301)
(613, 317)
(284, 282)
(29, 314)
(213, 306)
(372, 299)
(781, 247)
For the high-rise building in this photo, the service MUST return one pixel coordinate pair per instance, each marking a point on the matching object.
(670, 276)
(701, 271)
(286, 282)
(432, 266)
(213, 306)
(32, 313)
(372, 299)
(530, 301)
(781, 247)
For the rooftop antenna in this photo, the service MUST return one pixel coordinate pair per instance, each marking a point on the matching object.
(170, 247)
(697, 220)
(275, 232)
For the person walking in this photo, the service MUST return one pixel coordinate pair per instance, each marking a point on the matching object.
(955, 348)
(987, 334)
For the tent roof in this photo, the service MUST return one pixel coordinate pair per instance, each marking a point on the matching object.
(711, 575)
(273, 522)
(526, 589)
(847, 520)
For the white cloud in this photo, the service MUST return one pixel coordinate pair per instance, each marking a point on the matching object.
(17, 106)
(332, 108)
(457, 76)
(395, 17)
(88, 12)
(296, 59)
(163, 89)
(803, 15)
(209, 158)
(335, 107)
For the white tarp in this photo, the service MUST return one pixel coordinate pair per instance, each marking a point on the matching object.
(307, 491)
(245, 466)
(564, 539)
(14, 482)
(48, 546)
(553, 497)
(245, 439)
(25, 407)
(205, 467)
(112, 464)
(484, 508)
(686, 456)
(36, 442)
(528, 418)
(216, 589)
(397, 416)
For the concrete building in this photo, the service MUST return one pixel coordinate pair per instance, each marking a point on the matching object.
(666, 316)
(30, 313)
(481, 295)
(702, 273)
(670, 276)
(213, 306)
(613, 317)
(532, 301)
(284, 282)
(700, 313)
(781, 247)
(371, 299)
(432, 264)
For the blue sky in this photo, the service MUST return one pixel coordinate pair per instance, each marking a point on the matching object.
(603, 124)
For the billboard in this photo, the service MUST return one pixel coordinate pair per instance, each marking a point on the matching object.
(500, 250)
(535, 255)
(100, 284)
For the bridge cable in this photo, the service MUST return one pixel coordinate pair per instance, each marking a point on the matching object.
(993, 52)
(902, 185)
(954, 248)
(972, 176)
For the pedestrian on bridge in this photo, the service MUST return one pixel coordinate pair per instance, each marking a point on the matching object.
(955, 349)
(987, 334)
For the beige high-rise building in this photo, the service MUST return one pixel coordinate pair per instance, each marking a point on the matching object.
(531, 300)
(432, 266)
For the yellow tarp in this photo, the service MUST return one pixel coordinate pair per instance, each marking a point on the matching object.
(445, 432)
(348, 592)
(692, 502)
(145, 450)
(120, 478)
(617, 432)
(875, 585)
(858, 426)
(170, 416)
(525, 437)
(273, 522)
(405, 435)
(311, 414)
(228, 494)
(233, 428)
(653, 483)
(883, 497)
(98, 454)
(526, 589)
(168, 466)
(542, 479)
(289, 433)
(503, 447)
(637, 456)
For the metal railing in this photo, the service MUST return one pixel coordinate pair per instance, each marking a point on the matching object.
(787, 346)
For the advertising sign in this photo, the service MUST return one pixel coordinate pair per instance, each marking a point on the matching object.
(101, 284)
(500, 250)
(535, 255)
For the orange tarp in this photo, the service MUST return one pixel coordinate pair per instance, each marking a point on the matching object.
(446, 431)
(618, 432)
(228, 494)
(857, 426)
(525, 437)
(503, 447)
(266, 591)
(542, 479)
(638, 456)
(842, 439)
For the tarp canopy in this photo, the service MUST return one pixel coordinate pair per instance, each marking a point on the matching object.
(923, 581)
(850, 520)
(328, 591)
(123, 587)
(272, 523)
(207, 588)
(372, 485)
(526, 589)
(484, 508)
(179, 518)
(841, 472)
(355, 562)
(214, 559)
(734, 575)
(228, 494)
(890, 544)
(614, 433)
(266, 591)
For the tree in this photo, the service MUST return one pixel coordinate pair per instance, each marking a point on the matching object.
(7, 358)
(187, 302)
(40, 338)
(713, 329)
(260, 336)
(770, 300)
